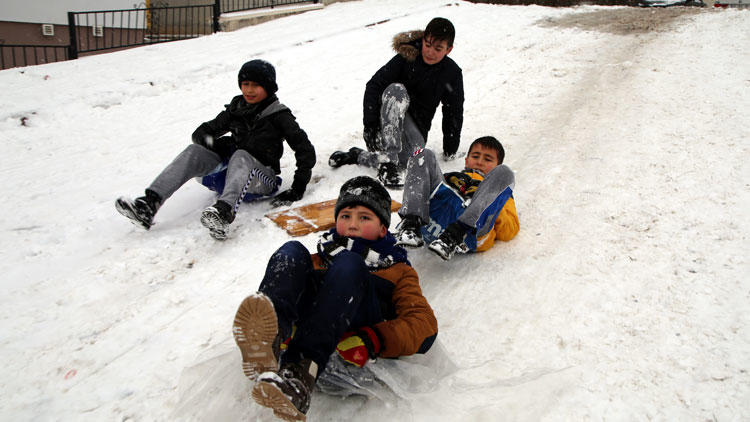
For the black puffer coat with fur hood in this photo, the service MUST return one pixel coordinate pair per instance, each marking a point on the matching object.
(427, 85)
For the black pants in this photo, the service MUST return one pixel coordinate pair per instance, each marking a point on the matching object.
(322, 304)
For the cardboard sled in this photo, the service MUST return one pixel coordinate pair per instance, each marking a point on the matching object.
(310, 218)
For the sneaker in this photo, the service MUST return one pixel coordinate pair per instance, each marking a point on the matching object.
(340, 158)
(256, 333)
(140, 211)
(409, 232)
(390, 175)
(449, 242)
(287, 391)
(217, 218)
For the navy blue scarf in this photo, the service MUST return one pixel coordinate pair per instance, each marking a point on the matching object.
(381, 253)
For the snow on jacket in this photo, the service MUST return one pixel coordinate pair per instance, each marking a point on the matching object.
(410, 325)
(446, 205)
(260, 129)
(427, 85)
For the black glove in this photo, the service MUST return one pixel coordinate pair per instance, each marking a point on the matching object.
(370, 135)
(285, 198)
(463, 183)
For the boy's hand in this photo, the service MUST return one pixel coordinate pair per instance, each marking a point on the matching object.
(286, 198)
(357, 348)
(370, 135)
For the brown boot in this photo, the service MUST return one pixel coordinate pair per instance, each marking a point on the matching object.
(257, 335)
(288, 391)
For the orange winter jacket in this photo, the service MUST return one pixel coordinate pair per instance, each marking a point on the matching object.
(414, 327)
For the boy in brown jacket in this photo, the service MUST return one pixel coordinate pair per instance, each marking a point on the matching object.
(358, 296)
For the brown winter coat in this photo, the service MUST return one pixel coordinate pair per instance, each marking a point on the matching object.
(414, 327)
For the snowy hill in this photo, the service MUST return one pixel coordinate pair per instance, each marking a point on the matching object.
(626, 295)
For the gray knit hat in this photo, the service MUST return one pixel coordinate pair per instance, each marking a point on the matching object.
(366, 191)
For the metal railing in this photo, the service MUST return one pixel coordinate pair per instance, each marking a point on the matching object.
(113, 29)
(228, 6)
(28, 55)
(116, 29)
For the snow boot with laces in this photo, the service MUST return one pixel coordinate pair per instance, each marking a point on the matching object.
(287, 391)
(451, 240)
(410, 232)
(140, 211)
(256, 333)
(217, 218)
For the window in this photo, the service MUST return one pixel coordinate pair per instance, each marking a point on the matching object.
(48, 30)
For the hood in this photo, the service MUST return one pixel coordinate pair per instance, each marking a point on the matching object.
(408, 44)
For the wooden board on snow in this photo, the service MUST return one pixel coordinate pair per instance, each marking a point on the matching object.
(310, 218)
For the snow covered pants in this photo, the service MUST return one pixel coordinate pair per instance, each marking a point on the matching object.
(244, 173)
(322, 304)
(426, 195)
(399, 136)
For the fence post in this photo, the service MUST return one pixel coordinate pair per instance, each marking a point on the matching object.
(73, 47)
(217, 14)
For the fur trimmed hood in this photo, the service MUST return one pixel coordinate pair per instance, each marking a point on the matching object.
(407, 44)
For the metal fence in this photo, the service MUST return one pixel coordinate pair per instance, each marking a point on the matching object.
(100, 30)
(228, 6)
(27, 55)
(113, 29)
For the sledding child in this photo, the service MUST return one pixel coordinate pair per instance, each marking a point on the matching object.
(358, 296)
(258, 124)
(460, 211)
(401, 99)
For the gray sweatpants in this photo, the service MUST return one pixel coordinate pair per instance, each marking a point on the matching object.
(399, 136)
(244, 174)
(423, 177)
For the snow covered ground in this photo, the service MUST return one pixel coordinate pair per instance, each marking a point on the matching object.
(626, 295)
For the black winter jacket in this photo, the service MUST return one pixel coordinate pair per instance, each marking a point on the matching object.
(260, 129)
(427, 85)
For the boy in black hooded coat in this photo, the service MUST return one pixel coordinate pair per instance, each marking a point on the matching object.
(401, 99)
(258, 124)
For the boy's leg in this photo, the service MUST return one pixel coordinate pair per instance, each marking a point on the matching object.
(288, 282)
(246, 174)
(411, 141)
(333, 309)
(264, 320)
(345, 297)
(193, 161)
(394, 103)
(423, 176)
(485, 204)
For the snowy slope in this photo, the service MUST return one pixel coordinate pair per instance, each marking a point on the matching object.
(625, 296)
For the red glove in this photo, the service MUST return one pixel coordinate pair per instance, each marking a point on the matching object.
(357, 347)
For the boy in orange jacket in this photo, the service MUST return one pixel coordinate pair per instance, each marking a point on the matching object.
(358, 296)
(459, 211)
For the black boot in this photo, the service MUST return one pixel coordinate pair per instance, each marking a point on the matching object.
(217, 218)
(288, 391)
(410, 232)
(390, 175)
(451, 240)
(140, 211)
(340, 158)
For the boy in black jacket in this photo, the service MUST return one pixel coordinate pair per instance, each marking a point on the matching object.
(401, 99)
(259, 124)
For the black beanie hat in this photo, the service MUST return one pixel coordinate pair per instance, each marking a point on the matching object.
(366, 191)
(261, 72)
